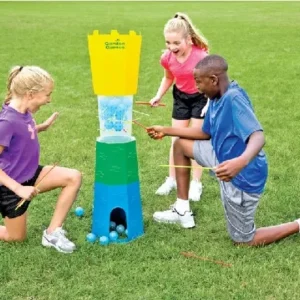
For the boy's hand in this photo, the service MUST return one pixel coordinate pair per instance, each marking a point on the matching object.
(155, 132)
(230, 168)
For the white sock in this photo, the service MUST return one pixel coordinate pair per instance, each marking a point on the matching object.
(182, 205)
(298, 221)
(173, 179)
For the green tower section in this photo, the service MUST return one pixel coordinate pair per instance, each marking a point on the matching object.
(116, 163)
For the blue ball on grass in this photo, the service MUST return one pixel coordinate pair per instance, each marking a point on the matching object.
(79, 211)
(91, 237)
(103, 240)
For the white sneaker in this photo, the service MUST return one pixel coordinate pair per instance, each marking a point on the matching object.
(58, 240)
(186, 220)
(166, 187)
(195, 191)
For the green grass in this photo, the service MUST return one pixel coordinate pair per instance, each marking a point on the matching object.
(261, 43)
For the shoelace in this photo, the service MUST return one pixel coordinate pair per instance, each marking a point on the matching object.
(62, 234)
(173, 209)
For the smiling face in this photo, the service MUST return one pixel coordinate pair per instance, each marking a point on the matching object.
(206, 83)
(38, 99)
(177, 43)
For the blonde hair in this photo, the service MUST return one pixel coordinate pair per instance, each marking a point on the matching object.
(182, 23)
(24, 79)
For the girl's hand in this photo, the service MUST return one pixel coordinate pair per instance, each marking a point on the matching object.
(155, 101)
(26, 192)
(49, 122)
(204, 109)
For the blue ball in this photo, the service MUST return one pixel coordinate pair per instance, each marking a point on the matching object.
(113, 235)
(79, 211)
(126, 232)
(112, 225)
(118, 126)
(120, 114)
(109, 125)
(120, 229)
(103, 240)
(91, 237)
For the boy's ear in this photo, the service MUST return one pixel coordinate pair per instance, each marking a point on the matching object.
(214, 79)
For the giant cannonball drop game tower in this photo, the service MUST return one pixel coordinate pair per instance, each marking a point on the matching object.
(115, 60)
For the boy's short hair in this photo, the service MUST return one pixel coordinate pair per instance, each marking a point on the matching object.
(212, 63)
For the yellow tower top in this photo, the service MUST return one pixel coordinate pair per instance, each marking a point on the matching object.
(115, 61)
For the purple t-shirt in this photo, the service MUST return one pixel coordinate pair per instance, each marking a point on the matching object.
(20, 157)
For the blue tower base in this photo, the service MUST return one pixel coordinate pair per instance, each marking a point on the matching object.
(121, 204)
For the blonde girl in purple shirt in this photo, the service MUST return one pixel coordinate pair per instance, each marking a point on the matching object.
(28, 89)
(186, 46)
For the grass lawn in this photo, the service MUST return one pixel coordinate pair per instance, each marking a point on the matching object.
(261, 43)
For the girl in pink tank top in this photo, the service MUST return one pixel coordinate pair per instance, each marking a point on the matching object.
(186, 46)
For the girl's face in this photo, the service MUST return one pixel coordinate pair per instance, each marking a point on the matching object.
(38, 99)
(177, 44)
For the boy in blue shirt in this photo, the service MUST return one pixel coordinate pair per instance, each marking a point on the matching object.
(230, 141)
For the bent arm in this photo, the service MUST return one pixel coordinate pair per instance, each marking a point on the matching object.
(5, 179)
(165, 84)
(46, 124)
(191, 133)
(255, 143)
(40, 127)
(230, 168)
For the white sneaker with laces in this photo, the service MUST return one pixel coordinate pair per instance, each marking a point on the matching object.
(186, 220)
(166, 187)
(58, 240)
(195, 190)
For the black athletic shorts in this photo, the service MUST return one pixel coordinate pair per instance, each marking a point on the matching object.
(187, 106)
(9, 200)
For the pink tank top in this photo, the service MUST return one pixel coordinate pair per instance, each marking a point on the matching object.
(183, 72)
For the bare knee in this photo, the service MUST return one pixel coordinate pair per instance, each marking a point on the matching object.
(75, 177)
(16, 238)
(243, 240)
(183, 147)
(14, 229)
(177, 143)
(239, 244)
(19, 239)
(253, 243)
